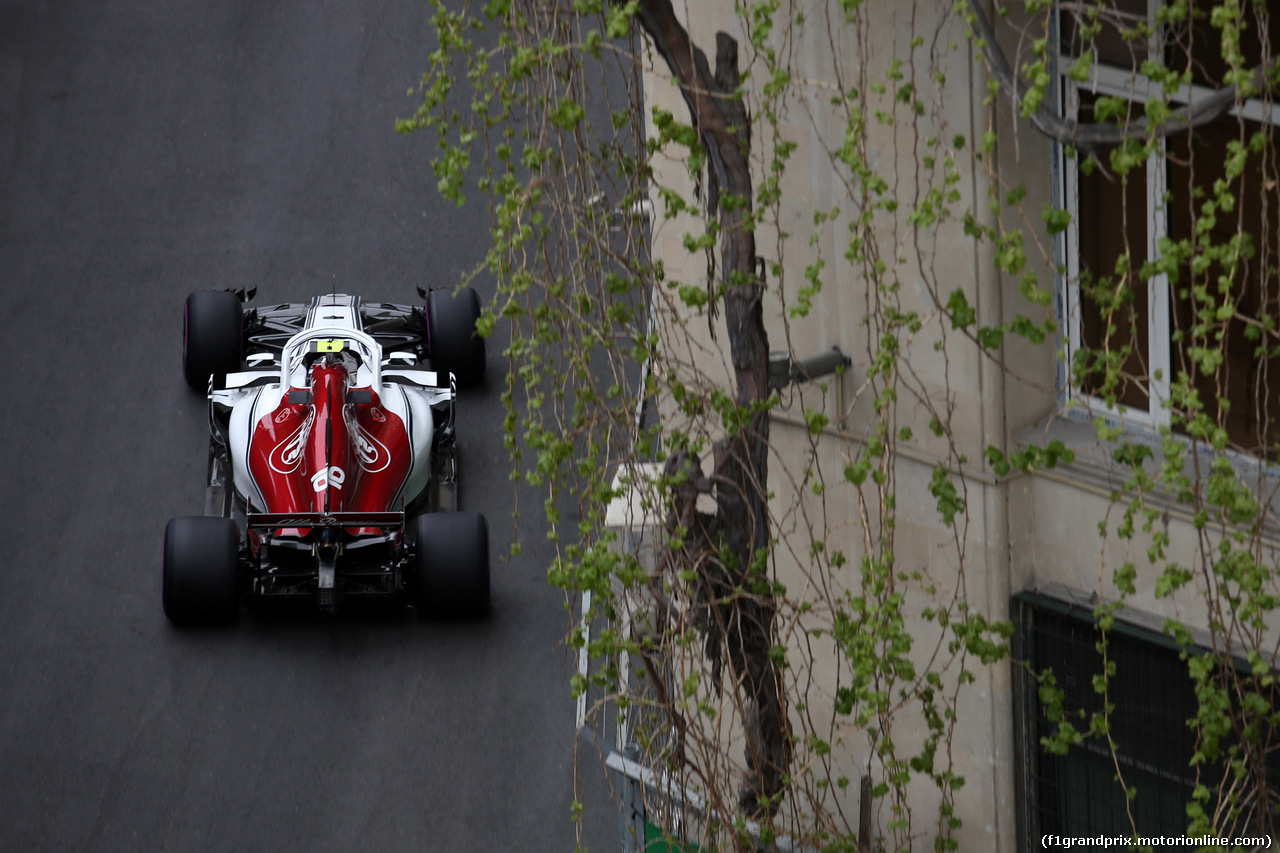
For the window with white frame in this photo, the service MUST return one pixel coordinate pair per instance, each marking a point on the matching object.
(1155, 329)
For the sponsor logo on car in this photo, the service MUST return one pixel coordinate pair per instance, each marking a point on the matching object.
(371, 453)
(332, 476)
(286, 455)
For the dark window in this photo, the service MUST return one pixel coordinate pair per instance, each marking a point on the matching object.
(1153, 699)
(1120, 39)
(1249, 375)
(1077, 794)
(1112, 223)
(1196, 36)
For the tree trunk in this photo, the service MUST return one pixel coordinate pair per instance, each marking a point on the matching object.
(735, 580)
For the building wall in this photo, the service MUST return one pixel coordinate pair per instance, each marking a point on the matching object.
(1017, 533)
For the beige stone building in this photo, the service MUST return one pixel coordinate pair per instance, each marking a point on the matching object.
(1029, 543)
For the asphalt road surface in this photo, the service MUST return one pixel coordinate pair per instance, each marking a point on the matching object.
(148, 149)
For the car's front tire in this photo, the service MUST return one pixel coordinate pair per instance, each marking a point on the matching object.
(455, 344)
(212, 336)
(201, 579)
(450, 567)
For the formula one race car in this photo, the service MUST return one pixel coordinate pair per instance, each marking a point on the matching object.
(332, 446)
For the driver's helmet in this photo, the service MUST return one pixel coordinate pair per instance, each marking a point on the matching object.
(334, 354)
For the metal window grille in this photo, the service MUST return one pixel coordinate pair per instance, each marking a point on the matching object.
(1078, 793)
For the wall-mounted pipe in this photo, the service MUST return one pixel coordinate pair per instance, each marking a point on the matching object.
(783, 371)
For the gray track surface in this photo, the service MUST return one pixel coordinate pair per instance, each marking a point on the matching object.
(152, 148)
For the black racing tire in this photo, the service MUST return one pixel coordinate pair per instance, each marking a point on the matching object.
(212, 337)
(450, 567)
(451, 326)
(201, 574)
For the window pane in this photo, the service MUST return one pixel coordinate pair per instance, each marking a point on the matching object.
(1112, 222)
(1248, 375)
(1199, 38)
(1116, 43)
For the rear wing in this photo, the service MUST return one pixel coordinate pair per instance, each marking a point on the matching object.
(275, 520)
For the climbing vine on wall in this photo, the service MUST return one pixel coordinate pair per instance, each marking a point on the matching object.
(773, 651)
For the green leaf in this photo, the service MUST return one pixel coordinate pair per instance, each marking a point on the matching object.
(567, 114)
(962, 314)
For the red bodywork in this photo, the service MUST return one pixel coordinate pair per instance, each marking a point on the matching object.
(329, 455)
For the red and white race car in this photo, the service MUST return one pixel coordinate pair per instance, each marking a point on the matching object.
(332, 447)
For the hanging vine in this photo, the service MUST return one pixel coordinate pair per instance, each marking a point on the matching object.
(774, 652)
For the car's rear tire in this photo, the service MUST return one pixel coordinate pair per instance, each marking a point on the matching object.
(201, 578)
(212, 337)
(451, 565)
(455, 344)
